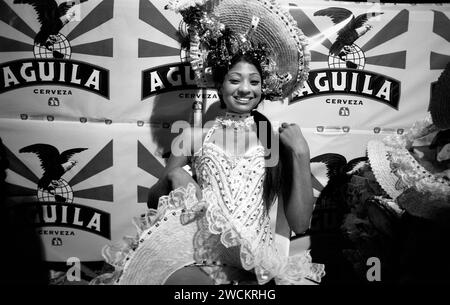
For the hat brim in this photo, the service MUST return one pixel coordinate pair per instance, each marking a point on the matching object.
(378, 154)
(396, 169)
(276, 29)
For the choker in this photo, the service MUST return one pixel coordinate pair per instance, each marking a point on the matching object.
(236, 121)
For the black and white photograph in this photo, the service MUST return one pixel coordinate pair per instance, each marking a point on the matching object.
(225, 150)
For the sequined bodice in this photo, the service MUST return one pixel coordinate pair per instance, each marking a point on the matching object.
(237, 179)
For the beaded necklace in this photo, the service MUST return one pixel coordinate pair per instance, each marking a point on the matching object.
(236, 121)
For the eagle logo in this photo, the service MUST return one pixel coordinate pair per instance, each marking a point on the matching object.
(53, 18)
(54, 165)
(352, 30)
(330, 175)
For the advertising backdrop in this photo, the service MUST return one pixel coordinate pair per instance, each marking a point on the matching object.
(91, 107)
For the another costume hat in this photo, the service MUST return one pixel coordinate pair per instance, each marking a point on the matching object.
(396, 169)
(392, 163)
(220, 29)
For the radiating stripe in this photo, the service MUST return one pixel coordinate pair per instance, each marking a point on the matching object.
(103, 160)
(393, 60)
(98, 48)
(438, 61)
(152, 49)
(99, 15)
(316, 185)
(307, 26)
(142, 194)
(148, 162)
(441, 25)
(317, 56)
(13, 190)
(153, 17)
(104, 193)
(397, 26)
(11, 45)
(8, 16)
(17, 166)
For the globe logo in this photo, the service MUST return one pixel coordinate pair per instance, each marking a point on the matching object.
(351, 57)
(62, 192)
(57, 46)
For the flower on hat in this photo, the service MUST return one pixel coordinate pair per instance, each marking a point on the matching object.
(398, 164)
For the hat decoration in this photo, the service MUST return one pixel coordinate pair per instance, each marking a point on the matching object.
(396, 169)
(220, 30)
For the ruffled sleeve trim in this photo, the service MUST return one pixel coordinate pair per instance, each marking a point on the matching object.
(181, 200)
(262, 255)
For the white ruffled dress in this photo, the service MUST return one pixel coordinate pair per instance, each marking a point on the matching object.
(227, 234)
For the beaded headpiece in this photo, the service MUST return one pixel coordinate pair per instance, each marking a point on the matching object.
(220, 30)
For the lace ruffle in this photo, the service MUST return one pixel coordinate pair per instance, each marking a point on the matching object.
(238, 220)
(259, 252)
(132, 264)
(409, 172)
(182, 202)
(300, 268)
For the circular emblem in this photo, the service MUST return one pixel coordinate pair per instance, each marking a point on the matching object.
(351, 57)
(56, 46)
(60, 192)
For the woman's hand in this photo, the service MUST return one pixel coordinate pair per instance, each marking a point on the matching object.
(292, 139)
(178, 177)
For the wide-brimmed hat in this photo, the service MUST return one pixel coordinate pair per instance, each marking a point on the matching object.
(392, 163)
(260, 25)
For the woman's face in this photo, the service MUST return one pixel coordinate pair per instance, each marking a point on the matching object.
(241, 88)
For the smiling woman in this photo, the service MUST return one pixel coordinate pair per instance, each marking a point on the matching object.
(241, 89)
(213, 227)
